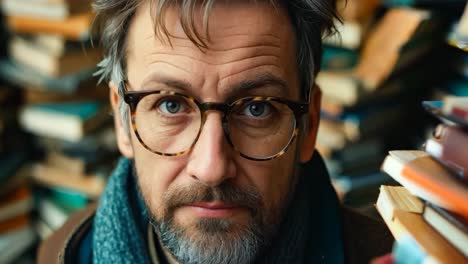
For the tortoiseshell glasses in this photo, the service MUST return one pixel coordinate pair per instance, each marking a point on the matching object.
(169, 123)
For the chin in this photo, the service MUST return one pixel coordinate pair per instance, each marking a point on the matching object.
(212, 240)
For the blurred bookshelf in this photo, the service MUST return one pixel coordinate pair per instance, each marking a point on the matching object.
(57, 144)
(390, 56)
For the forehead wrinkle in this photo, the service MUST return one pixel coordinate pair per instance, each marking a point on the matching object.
(267, 77)
(170, 64)
(210, 63)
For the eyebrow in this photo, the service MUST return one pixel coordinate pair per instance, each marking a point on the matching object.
(261, 80)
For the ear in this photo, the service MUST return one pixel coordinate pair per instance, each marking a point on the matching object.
(123, 141)
(308, 142)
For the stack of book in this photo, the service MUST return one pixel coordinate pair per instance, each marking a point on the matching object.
(16, 231)
(16, 202)
(428, 214)
(367, 102)
(52, 60)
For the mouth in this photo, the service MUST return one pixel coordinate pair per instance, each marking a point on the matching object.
(214, 209)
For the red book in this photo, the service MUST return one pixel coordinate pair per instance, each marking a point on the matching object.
(449, 146)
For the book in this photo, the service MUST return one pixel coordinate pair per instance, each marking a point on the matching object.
(53, 213)
(58, 45)
(80, 164)
(334, 58)
(436, 109)
(18, 178)
(69, 199)
(14, 223)
(26, 77)
(407, 250)
(89, 185)
(381, 56)
(57, 10)
(451, 226)
(401, 86)
(456, 105)
(448, 146)
(75, 27)
(426, 178)
(393, 198)
(68, 120)
(35, 95)
(11, 162)
(15, 243)
(363, 123)
(94, 145)
(345, 183)
(26, 52)
(43, 229)
(402, 214)
(18, 202)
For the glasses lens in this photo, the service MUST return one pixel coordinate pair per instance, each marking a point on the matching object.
(167, 123)
(261, 128)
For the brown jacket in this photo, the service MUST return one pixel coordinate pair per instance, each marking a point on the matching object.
(364, 238)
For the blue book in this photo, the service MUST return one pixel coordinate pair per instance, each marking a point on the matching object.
(10, 162)
(65, 120)
(407, 251)
(338, 58)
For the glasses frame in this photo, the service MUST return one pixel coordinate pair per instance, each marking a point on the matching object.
(132, 98)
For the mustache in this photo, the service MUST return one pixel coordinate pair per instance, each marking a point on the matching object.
(226, 192)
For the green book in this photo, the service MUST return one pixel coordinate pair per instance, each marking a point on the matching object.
(65, 120)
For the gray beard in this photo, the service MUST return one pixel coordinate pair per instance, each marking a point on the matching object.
(219, 241)
(212, 242)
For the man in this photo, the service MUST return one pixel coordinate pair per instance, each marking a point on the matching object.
(216, 114)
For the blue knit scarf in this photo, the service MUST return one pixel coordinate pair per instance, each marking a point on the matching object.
(310, 232)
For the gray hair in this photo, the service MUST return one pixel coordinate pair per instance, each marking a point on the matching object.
(311, 19)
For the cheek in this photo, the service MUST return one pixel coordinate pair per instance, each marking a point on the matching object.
(155, 174)
(272, 178)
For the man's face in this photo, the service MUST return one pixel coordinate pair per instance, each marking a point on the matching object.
(211, 201)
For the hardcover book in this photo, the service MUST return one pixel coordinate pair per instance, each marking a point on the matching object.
(426, 178)
(68, 120)
(449, 146)
(402, 214)
(451, 226)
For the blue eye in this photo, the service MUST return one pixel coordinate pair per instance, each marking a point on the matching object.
(257, 109)
(170, 106)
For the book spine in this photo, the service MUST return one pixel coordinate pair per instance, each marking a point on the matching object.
(449, 146)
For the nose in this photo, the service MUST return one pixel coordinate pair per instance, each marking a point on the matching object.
(210, 159)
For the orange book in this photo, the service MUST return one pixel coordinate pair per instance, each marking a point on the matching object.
(75, 27)
(15, 203)
(14, 223)
(17, 195)
(428, 179)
